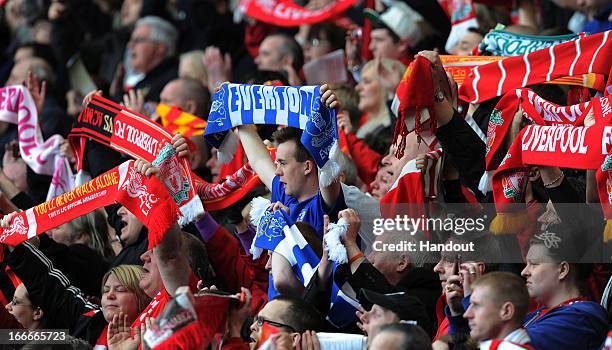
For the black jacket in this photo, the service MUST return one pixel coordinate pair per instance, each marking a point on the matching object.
(63, 304)
(420, 282)
(156, 79)
(83, 266)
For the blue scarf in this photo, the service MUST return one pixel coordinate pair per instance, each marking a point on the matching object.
(296, 106)
(275, 232)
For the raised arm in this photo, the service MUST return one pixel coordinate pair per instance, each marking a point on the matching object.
(258, 155)
(171, 258)
(170, 253)
(330, 193)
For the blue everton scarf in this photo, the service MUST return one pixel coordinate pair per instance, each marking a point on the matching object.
(343, 308)
(501, 43)
(296, 106)
(275, 232)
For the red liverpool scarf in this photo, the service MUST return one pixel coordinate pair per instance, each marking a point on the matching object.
(416, 100)
(137, 136)
(286, 13)
(557, 139)
(460, 68)
(590, 54)
(146, 198)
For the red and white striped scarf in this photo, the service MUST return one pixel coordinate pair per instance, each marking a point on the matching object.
(590, 54)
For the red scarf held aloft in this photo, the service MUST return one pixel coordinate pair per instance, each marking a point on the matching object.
(415, 94)
(460, 68)
(146, 198)
(536, 108)
(137, 136)
(560, 143)
(590, 54)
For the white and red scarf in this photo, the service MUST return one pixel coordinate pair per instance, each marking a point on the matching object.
(590, 54)
(146, 198)
(286, 13)
(18, 107)
(460, 68)
(557, 138)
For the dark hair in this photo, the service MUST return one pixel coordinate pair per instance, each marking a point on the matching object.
(413, 336)
(381, 25)
(43, 51)
(198, 259)
(292, 134)
(330, 32)
(262, 76)
(299, 314)
(291, 47)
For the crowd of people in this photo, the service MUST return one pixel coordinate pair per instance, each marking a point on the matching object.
(410, 141)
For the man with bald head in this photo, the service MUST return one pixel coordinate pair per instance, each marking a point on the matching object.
(190, 96)
(279, 52)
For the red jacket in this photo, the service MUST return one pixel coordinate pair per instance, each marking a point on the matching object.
(366, 160)
(239, 270)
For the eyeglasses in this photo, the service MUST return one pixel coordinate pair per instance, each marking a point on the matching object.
(139, 40)
(314, 42)
(16, 302)
(260, 321)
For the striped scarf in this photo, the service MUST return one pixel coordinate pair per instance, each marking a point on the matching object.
(42, 156)
(590, 54)
(299, 107)
(179, 122)
(501, 43)
(275, 232)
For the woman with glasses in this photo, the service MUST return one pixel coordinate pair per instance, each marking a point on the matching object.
(30, 316)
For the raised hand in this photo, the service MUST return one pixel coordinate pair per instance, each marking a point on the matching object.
(329, 97)
(180, 145)
(37, 90)
(218, 67)
(90, 96)
(119, 336)
(145, 168)
(135, 100)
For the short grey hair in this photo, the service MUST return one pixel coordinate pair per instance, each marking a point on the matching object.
(161, 31)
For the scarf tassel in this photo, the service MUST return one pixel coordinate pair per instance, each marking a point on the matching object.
(190, 211)
(258, 208)
(333, 167)
(608, 231)
(160, 219)
(508, 223)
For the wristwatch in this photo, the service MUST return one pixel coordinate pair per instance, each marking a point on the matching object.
(439, 96)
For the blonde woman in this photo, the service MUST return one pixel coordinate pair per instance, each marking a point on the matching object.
(369, 139)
